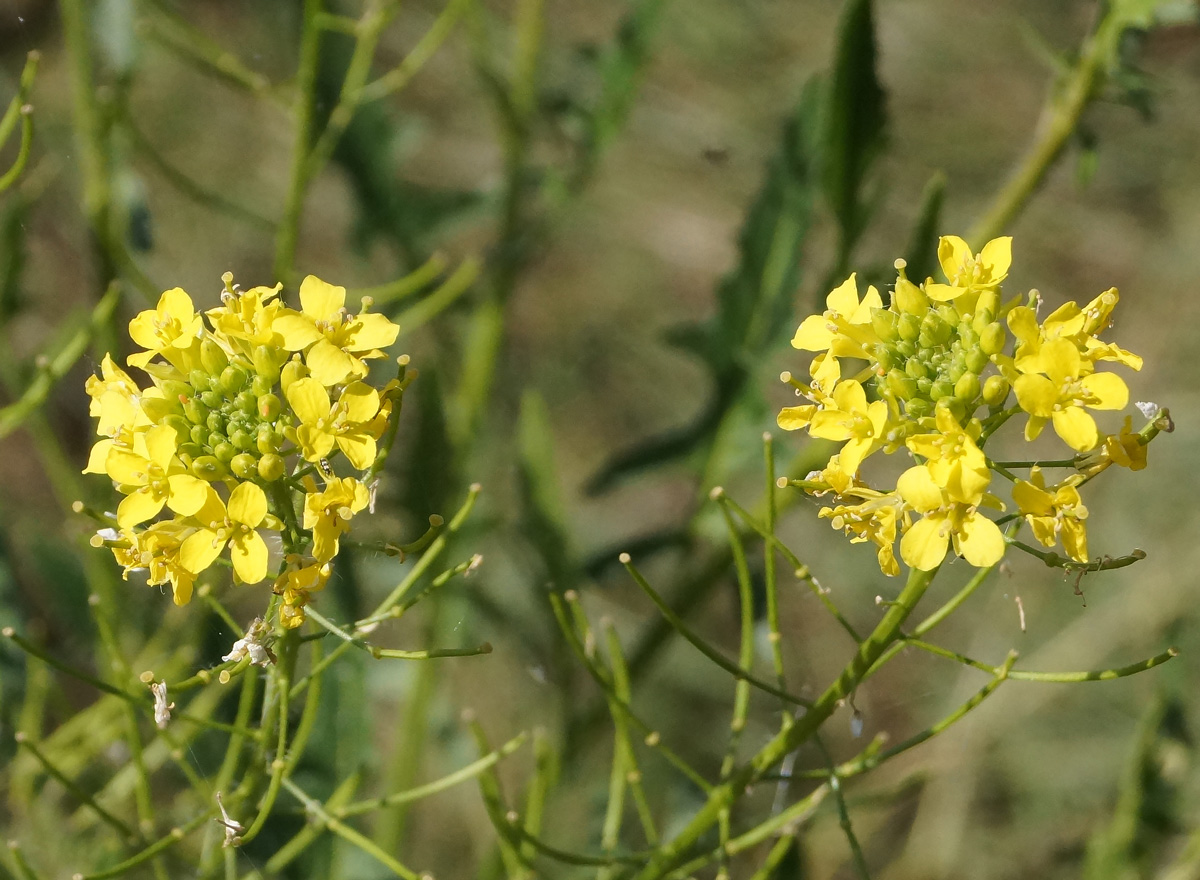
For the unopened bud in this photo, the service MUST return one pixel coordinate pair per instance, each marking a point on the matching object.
(233, 379)
(244, 465)
(992, 339)
(909, 327)
(269, 407)
(967, 387)
(995, 390)
(207, 467)
(266, 365)
(909, 298)
(291, 371)
(212, 356)
(271, 467)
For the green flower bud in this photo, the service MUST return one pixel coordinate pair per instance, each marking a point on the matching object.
(957, 408)
(216, 423)
(901, 384)
(995, 390)
(183, 429)
(233, 379)
(915, 369)
(908, 298)
(883, 322)
(212, 356)
(884, 356)
(968, 339)
(924, 386)
(976, 360)
(909, 327)
(224, 451)
(992, 339)
(243, 440)
(905, 349)
(260, 386)
(967, 387)
(988, 302)
(244, 466)
(266, 365)
(982, 318)
(291, 371)
(243, 404)
(269, 407)
(271, 467)
(158, 409)
(206, 467)
(266, 440)
(956, 370)
(195, 411)
(212, 399)
(199, 435)
(200, 381)
(918, 408)
(939, 389)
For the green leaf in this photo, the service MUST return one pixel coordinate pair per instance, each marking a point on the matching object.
(1148, 809)
(754, 301)
(854, 122)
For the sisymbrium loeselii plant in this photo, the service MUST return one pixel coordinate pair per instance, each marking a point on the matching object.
(233, 445)
(936, 373)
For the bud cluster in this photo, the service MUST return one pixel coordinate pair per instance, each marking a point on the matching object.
(933, 372)
(236, 437)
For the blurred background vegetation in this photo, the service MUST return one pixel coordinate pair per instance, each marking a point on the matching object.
(599, 330)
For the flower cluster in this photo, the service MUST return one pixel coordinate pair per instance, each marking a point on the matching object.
(934, 372)
(239, 423)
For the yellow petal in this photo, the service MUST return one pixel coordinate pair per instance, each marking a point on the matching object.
(371, 331)
(1076, 428)
(1060, 360)
(996, 257)
(1036, 395)
(247, 504)
(309, 400)
(200, 550)
(943, 292)
(248, 553)
(813, 334)
(161, 441)
(791, 418)
(953, 252)
(979, 541)
(328, 364)
(361, 402)
(322, 301)
(359, 449)
(314, 442)
(918, 488)
(181, 586)
(298, 332)
(139, 507)
(1108, 389)
(98, 458)
(843, 299)
(126, 467)
(187, 494)
(923, 546)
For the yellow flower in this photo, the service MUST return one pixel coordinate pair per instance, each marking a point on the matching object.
(954, 462)
(327, 514)
(155, 475)
(944, 520)
(849, 417)
(844, 329)
(296, 586)
(116, 399)
(1126, 448)
(871, 519)
(159, 547)
(169, 329)
(336, 344)
(248, 315)
(968, 272)
(1070, 322)
(235, 526)
(1062, 394)
(349, 424)
(1054, 513)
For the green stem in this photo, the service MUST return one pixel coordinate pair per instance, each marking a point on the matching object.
(306, 79)
(722, 797)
